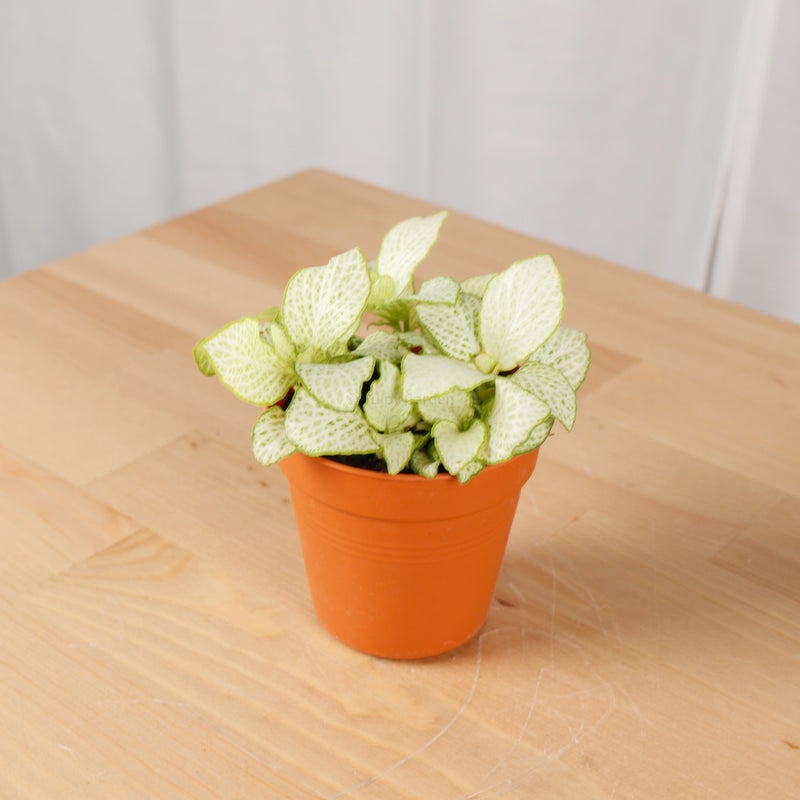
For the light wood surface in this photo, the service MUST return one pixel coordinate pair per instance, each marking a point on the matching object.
(157, 635)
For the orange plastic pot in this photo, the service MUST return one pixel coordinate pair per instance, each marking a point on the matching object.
(402, 566)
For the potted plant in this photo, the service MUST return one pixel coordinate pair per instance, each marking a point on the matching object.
(406, 420)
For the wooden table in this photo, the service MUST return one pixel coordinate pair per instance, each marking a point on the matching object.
(158, 639)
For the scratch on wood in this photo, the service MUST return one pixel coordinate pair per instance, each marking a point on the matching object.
(510, 752)
(442, 732)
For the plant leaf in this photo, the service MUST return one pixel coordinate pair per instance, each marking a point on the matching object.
(429, 376)
(382, 346)
(567, 351)
(247, 365)
(549, 385)
(454, 406)
(406, 244)
(536, 438)
(322, 305)
(268, 438)
(413, 339)
(521, 308)
(422, 464)
(202, 360)
(472, 305)
(396, 449)
(381, 290)
(513, 415)
(452, 327)
(456, 447)
(280, 340)
(267, 317)
(476, 285)
(441, 289)
(384, 406)
(337, 386)
(470, 470)
(317, 430)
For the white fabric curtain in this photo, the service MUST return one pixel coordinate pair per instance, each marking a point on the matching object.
(659, 135)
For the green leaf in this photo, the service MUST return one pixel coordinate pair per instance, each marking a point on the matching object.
(454, 406)
(202, 360)
(247, 365)
(476, 285)
(568, 352)
(431, 376)
(405, 246)
(337, 386)
(456, 447)
(470, 470)
(549, 385)
(322, 305)
(268, 439)
(521, 308)
(396, 449)
(536, 438)
(513, 415)
(472, 305)
(317, 430)
(382, 346)
(422, 464)
(384, 406)
(267, 317)
(381, 290)
(451, 327)
(413, 339)
(439, 290)
(280, 340)
(396, 309)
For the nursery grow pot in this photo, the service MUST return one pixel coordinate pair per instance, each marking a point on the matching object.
(402, 566)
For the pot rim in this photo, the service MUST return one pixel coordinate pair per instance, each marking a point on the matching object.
(442, 477)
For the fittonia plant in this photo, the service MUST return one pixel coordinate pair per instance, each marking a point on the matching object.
(455, 376)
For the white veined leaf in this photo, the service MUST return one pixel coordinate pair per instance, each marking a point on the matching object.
(202, 360)
(472, 305)
(405, 246)
(521, 308)
(548, 384)
(382, 346)
(398, 308)
(568, 352)
(284, 348)
(441, 289)
(422, 464)
(513, 415)
(395, 448)
(470, 470)
(267, 317)
(454, 406)
(268, 439)
(412, 339)
(451, 327)
(427, 376)
(247, 365)
(322, 305)
(381, 290)
(456, 447)
(384, 406)
(536, 438)
(318, 431)
(337, 386)
(476, 285)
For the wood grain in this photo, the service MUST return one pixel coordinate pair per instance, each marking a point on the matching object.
(158, 638)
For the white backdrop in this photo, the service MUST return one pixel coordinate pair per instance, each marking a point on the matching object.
(660, 135)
